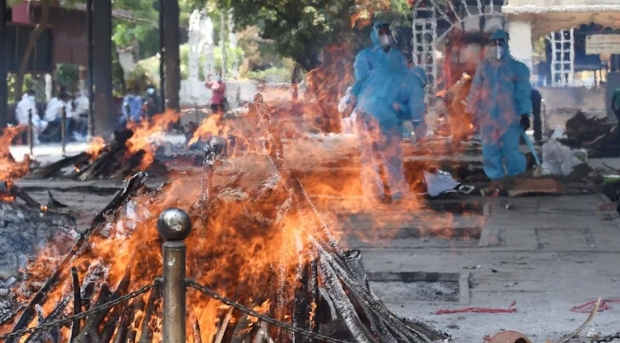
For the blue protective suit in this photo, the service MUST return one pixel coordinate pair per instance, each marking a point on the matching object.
(373, 57)
(499, 95)
(386, 94)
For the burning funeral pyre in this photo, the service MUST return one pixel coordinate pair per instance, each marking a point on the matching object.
(130, 151)
(265, 247)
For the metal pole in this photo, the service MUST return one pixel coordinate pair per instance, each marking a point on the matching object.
(91, 70)
(30, 132)
(63, 129)
(162, 59)
(174, 225)
(3, 64)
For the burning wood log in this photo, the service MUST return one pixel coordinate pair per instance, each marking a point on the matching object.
(116, 160)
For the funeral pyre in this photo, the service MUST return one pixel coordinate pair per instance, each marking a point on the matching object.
(130, 151)
(264, 246)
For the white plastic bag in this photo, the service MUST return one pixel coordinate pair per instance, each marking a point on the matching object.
(439, 183)
(558, 159)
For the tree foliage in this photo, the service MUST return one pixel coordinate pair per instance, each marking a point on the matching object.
(300, 29)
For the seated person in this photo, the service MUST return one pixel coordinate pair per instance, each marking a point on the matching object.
(53, 115)
(25, 105)
(132, 108)
(81, 108)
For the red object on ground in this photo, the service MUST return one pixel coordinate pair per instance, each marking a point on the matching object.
(510, 309)
(589, 306)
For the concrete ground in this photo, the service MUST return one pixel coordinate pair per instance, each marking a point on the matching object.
(547, 254)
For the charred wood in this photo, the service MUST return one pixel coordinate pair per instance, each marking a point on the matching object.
(242, 329)
(77, 303)
(196, 332)
(53, 203)
(131, 188)
(146, 335)
(55, 168)
(223, 326)
(89, 332)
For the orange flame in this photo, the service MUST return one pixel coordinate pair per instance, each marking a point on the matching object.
(146, 132)
(95, 147)
(9, 168)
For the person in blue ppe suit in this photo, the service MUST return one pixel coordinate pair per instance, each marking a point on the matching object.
(385, 97)
(500, 101)
(383, 52)
(420, 80)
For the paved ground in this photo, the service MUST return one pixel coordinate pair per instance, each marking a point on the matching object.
(547, 254)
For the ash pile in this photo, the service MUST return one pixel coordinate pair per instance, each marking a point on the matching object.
(28, 229)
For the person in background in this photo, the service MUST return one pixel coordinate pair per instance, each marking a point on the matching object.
(386, 97)
(54, 100)
(151, 102)
(81, 105)
(615, 103)
(53, 114)
(417, 118)
(26, 104)
(500, 101)
(536, 99)
(383, 52)
(132, 108)
(218, 99)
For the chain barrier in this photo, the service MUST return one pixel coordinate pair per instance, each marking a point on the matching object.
(605, 339)
(81, 315)
(250, 312)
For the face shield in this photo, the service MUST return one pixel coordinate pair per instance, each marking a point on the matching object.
(497, 49)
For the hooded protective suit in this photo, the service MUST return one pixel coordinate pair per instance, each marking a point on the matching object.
(499, 96)
(25, 105)
(384, 96)
(373, 57)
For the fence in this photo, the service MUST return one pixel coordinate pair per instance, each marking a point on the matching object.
(174, 226)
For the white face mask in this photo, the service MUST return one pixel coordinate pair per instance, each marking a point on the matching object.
(31, 98)
(497, 52)
(386, 41)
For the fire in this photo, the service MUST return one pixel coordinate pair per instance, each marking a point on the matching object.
(9, 168)
(146, 132)
(327, 84)
(95, 147)
(211, 125)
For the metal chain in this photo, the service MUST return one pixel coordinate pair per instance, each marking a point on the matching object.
(609, 338)
(81, 315)
(285, 326)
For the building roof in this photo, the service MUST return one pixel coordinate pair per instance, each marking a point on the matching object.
(554, 15)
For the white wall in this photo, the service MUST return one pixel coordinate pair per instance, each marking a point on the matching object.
(521, 41)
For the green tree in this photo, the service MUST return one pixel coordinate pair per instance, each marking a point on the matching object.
(300, 29)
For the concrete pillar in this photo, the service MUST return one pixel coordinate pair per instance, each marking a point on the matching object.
(172, 58)
(520, 43)
(613, 82)
(83, 79)
(105, 111)
(3, 65)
